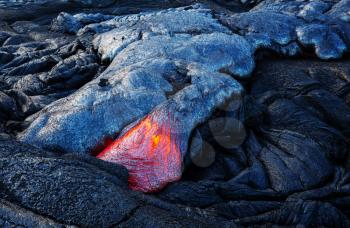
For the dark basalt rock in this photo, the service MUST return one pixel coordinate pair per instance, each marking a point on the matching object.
(195, 194)
(34, 66)
(94, 3)
(14, 216)
(30, 84)
(164, 218)
(17, 39)
(5, 57)
(72, 72)
(72, 190)
(3, 37)
(293, 213)
(7, 105)
(77, 190)
(28, 105)
(288, 152)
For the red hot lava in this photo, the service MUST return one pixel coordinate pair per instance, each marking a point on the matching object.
(150, 153)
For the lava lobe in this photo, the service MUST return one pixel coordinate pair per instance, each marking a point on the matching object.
(149, 151)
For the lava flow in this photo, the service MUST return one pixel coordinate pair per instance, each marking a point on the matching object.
(150, 153)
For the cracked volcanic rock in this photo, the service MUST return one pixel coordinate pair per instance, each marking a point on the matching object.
(68, 189)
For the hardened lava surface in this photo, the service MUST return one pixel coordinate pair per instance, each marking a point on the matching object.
(164, 114)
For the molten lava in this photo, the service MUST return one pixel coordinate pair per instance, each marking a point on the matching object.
(150, 153)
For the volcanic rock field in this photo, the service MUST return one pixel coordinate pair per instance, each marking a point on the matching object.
(175, 113)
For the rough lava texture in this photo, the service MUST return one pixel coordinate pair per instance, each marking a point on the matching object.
(243, 108)
(138, 80)
(144, 49)
(73, 190)
(153, 150)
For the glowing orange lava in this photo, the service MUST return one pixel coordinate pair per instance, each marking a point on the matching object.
(149, 151)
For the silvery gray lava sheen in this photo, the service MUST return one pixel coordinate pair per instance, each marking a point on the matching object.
(143, 47)
(139, 78)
